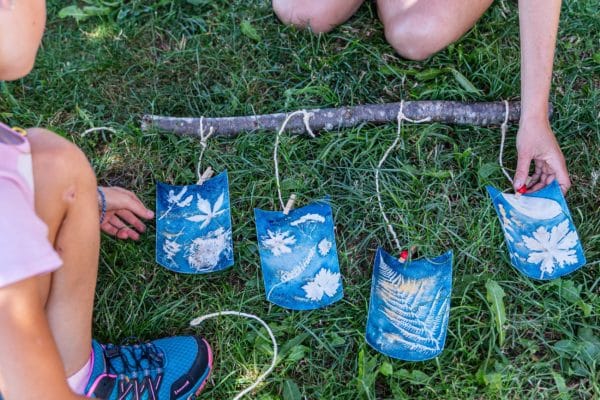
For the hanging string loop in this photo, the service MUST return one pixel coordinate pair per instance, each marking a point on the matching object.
(262, 377)
(306, 116)
(400, 118)
(204, 136)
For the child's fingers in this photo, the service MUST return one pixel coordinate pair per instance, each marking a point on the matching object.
(131, 219)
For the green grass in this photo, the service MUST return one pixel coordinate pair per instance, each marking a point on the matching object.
(173, 58)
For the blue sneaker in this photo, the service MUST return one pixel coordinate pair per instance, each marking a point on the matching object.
(172, 368)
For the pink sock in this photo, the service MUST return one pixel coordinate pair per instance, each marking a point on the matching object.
(78, 381)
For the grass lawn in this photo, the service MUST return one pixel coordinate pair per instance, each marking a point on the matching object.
(225, 58)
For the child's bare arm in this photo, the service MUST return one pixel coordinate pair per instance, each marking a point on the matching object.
(30, 366)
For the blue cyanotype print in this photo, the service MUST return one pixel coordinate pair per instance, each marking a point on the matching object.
(410, 306)
(193, 226)
(539, 232)
(298, 256)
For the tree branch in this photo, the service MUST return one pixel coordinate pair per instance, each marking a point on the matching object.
(333, 119)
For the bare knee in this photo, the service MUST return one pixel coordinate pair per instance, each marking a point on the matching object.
(302, 15)
(413, 38)
(61, 163)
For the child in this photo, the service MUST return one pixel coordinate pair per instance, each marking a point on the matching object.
(419, 28)
(49, 241)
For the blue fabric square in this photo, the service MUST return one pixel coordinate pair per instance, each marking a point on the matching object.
(410, 306)
(298, 256)
(539, 232)
(193, 226)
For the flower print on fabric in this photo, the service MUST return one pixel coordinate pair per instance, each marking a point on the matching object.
(539, 232)
(298, 257)
(193, 226)
(410, 306)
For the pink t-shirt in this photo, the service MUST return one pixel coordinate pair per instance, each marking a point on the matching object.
(24, 247)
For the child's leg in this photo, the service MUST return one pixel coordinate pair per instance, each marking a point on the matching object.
(320, 15)
(419, 28)
(66, 200)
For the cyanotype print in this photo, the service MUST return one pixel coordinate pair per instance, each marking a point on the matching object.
(409, 306)
(539, 232)
(193, 226)
(299, 257)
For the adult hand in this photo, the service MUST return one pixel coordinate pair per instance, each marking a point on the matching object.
(123, 212)
(536, 142)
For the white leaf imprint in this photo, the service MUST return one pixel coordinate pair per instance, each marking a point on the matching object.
(552, 249)
(308, 218)
(205, 252)
(278, 242)
(324, 283)
(207, 213)
(324, 247)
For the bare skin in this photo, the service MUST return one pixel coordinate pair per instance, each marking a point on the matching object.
(55, 310)
(46, 320)
(416, 29)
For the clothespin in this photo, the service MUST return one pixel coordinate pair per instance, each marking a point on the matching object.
(523, 189)
(206, 175)
(290, 204)
(520, 191)
(405, 254)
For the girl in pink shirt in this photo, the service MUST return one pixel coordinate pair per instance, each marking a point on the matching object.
(50, 220)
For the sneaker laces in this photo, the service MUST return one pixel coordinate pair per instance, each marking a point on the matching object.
(130, 360)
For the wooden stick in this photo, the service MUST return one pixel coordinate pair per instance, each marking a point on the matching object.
(333, 119)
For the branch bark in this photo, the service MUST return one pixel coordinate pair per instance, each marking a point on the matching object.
(333, 119)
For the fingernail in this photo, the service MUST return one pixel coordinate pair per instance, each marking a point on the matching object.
(518, 183)
(150, 214)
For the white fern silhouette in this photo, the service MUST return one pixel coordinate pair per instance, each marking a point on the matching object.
(414, 308)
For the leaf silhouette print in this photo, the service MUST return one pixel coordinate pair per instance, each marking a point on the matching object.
(208, 212)
(416, 308)
(176, 200)
(552, 248)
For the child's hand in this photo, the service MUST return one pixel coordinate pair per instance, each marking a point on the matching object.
(123, 213)
(536, 142)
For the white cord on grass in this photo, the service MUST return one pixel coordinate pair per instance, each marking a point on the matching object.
(503, 129)
(199, 320)
(203, 143)
(401, 117)
(305, 118)
(98, 129)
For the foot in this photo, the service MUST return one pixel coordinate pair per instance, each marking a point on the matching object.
(172, 368)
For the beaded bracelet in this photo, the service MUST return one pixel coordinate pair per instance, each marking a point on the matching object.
(102, 199)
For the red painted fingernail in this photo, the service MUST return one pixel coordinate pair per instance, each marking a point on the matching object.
(403, 255)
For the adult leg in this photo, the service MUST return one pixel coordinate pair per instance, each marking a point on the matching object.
(320, 15)
(66, 200)
(419, 28)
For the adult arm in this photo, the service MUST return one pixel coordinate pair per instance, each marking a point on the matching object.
(30, 365)
(538, 20)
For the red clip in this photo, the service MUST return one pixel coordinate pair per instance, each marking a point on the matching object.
(522, 189)
(403, 255)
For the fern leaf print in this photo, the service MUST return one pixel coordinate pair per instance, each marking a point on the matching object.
(193, 228)
(298, 257)
(539, 232)
(410, 306)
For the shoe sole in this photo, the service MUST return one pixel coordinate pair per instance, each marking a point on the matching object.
(204, 379)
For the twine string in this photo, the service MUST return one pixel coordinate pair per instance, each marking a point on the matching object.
(198, 321)
(306, 116)
(503, 130)
(204, 136)
(401, 117)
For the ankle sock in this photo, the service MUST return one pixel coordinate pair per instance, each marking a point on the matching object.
(78, 381)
